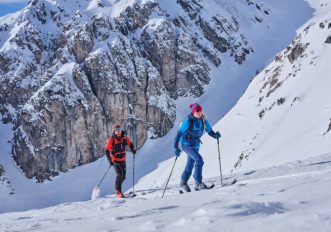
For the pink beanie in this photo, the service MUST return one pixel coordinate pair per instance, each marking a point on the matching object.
(195, 107)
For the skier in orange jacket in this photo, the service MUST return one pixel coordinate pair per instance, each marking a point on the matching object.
(116, 154)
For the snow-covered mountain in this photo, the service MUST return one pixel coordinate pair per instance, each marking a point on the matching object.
(71, 70)
(284, 115)
(51, 100)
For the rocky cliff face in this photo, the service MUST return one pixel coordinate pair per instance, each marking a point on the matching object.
(2, 171)
(71, 70)
(5, 184)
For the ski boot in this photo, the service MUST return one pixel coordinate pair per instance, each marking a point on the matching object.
(200, 186)
(119, 194)
(185, 187)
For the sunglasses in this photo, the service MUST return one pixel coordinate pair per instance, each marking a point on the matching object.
(118, 129)
(198, 111)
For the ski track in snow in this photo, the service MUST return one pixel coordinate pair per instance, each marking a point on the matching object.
(290, 197)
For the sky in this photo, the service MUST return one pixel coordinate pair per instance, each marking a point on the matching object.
(10, 6)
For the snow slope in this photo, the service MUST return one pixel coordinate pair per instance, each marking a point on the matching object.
(226, 86)
(290, 197)
(284, 115)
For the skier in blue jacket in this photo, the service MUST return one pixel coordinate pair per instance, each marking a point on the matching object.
(189, 134)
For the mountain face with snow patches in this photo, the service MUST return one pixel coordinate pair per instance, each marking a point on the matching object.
(284, 114)
(70, 70)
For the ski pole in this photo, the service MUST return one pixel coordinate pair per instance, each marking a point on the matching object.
(133, 164)
(104, 176)
(219, 159)
(134, 157)
(169, 176)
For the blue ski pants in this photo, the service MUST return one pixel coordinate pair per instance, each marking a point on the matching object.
(193, 159)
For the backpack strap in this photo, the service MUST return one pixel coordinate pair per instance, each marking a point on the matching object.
(123, 136)
(190, 128)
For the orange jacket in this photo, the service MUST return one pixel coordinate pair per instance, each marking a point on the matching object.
(115, 147)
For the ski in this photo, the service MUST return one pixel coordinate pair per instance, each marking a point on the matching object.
(213, 185)
(126, 196)
(208, 187)
(130, 195)
(231, 183)
(228, 183)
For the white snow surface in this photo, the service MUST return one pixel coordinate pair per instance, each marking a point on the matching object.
(289, 197)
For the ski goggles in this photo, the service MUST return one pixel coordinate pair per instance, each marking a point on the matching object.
(118, 129)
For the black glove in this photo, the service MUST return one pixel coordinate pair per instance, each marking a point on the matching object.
(134, 151)
(110, 160)
(216, 135)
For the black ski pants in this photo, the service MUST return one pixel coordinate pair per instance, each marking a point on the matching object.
(120, 168)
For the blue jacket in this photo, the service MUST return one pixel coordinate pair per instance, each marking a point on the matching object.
(192, 137)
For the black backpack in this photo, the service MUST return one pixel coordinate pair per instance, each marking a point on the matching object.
(190, 128)
(124, 136)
